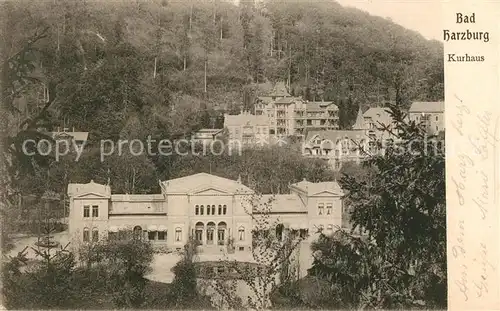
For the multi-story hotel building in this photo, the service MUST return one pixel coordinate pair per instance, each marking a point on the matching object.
(248, 129)
(213, 210)
(293, 116)
(430, 114)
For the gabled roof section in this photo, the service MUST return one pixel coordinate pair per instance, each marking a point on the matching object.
(331, 136)
(137, 197)
(327, 188)
(279, 90)
(426, 107)
(321, 106)
(79, 190)
(245, 119)
(283, 203)
(379, 114)
(203, 181)
(360, 121)
(287, 100)
(78, 136)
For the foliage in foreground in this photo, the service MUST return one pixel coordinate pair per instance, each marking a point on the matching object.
(401, 261)
(112, 272)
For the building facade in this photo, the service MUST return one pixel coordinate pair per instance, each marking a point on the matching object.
(247, 129)
(338, 146)
(206, 136)
(290, 115)
(213, 210)
(366, 138)
(430, 114)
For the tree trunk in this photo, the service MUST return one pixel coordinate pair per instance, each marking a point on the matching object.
(221, 24)
(190, 17)
(205, 75)
(289, 66)
(154, 72)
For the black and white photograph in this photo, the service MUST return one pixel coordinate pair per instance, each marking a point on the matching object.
(223, 155)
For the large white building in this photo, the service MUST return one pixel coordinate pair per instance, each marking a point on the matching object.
(212, 209)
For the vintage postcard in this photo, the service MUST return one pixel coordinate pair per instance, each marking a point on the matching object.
(250, 154)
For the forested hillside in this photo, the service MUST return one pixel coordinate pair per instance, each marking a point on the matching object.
(119, 68)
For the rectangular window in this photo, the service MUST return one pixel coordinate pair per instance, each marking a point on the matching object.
(329, 209)
(321, 208)
(152, 235)
(95, 211)
(86, 211)
(95, 235)
(162, 235)
(86, 235)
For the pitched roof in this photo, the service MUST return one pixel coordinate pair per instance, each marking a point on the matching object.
(245, 119)
(280, 90)
(379, 114)
(331, 136)
(214, 131)
(287, 100)
(311, 188)
(91, 187)
(137, 197)
(320, 106)
(360, 121)
(283, 203)
(417, 107)
(78, 136)
(199, 181)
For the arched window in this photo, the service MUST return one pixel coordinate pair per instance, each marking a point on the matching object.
(178, 234)
(213, 209)
(201, 209)
(241, 233)
(86, 235)
(197, 210)
(137, 232)
(95, 235)
(221, 232)
(224, 210)
(208, 209)
(210, 232)
(198, 232)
